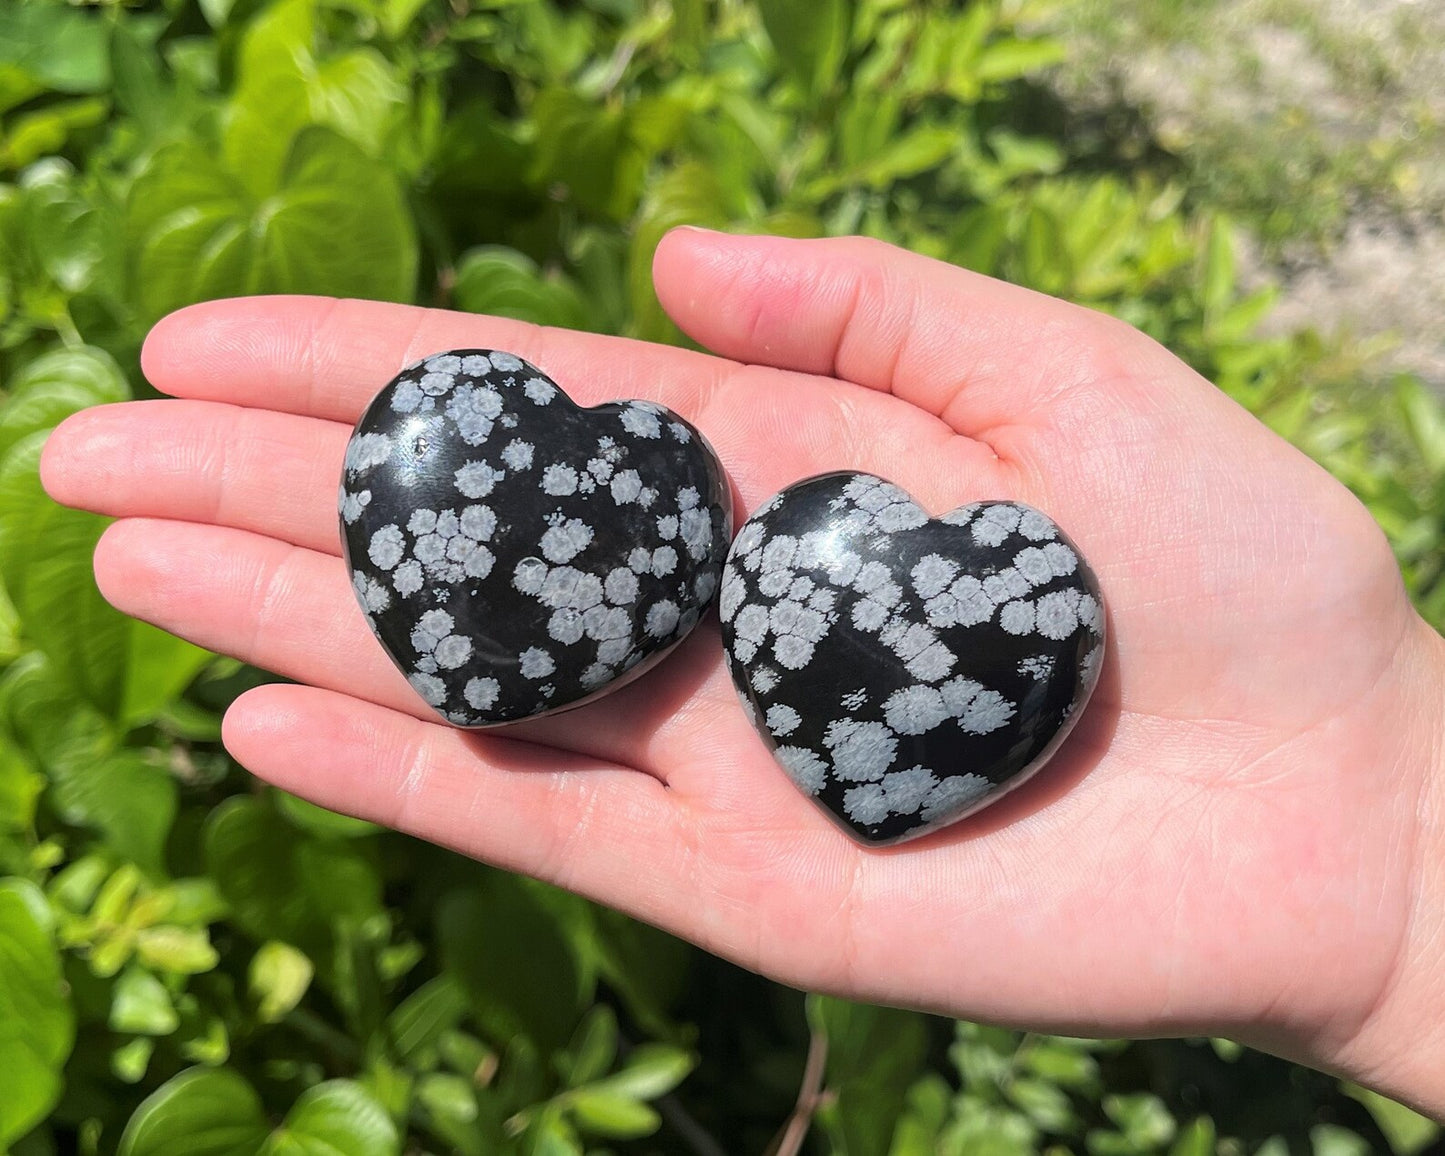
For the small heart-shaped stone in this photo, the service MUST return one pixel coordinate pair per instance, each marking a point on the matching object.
(517, 554)
(906, 671)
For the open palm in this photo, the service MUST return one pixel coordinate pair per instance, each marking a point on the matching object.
(1224, 842)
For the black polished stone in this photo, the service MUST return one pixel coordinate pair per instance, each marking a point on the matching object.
(516, 554)
(907, 672)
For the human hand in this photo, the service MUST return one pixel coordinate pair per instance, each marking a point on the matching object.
(1238, 838)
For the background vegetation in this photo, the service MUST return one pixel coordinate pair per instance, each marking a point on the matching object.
(190, 964)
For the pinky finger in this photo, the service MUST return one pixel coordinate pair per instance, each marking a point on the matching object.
(572, 820)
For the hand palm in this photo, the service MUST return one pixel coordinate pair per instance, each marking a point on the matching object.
(1219, 799)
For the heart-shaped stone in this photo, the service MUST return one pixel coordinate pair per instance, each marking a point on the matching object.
(517, 554)
(906, 671)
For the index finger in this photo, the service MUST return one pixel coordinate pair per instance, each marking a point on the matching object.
(327, 357)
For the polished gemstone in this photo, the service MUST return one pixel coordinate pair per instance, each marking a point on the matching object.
(517, 554)
(905, 671)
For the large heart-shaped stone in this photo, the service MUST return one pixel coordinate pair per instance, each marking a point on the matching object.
(516, 554)
(907, 672)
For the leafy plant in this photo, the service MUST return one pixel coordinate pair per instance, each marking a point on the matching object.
(190, 964)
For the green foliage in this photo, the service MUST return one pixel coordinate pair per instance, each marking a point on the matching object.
(189, 964)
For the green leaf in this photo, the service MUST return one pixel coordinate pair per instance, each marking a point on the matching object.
(1009, 59)
(612, 1115)
(504, 283)
(20, 786)
(513, 960)
(810, 38)
(126, 796)
(1219, 268)
(201, 1112)
(417, 1024)
(159, 666)
(278, 979)
(1407, 1131)
(1195, 1139)
(593, 1048)
(61, 48)
(140, 88)
(336, 225)
(141, 1005)
(1332, 1140)
(181, 950)
(282, 884)
(918, 150)
(55, 385)
(332, 1119)
(320, 821)
(874, 1056)
(45, 553)
(37, 1026)
(651, 1070)
(286, 86)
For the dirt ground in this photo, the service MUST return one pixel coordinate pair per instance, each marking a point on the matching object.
(1320, 121)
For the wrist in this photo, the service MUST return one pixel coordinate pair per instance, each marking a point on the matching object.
(1399, 1046)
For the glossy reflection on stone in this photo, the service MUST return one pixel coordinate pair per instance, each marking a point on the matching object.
(906, 672)
(516, 554)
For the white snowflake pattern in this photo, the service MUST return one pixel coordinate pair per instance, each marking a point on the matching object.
(953, 795)
(861, 751)
(478, 479)
(517, 454)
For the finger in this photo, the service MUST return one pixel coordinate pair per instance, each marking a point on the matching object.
(292, 611)
(277, 474)
(731, 875)
(252, 469)
(572, 820)
(980, 353)
(327, 358)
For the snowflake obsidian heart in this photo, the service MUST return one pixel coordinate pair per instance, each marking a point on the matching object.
(516, 554)
(907, 672)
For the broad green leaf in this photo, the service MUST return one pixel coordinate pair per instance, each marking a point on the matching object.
(500, 281)
(55, 385)
(141, 89)
(336, 225)
(159, 666)
(45, 562)
(61, 48)
(37, 1026)
(810, 38)
(141, 1005)
(283, 884)
(278, 978)
(201, 1112)
(332, 1119)
(126, 796)
(285, 85)
(513, 960)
